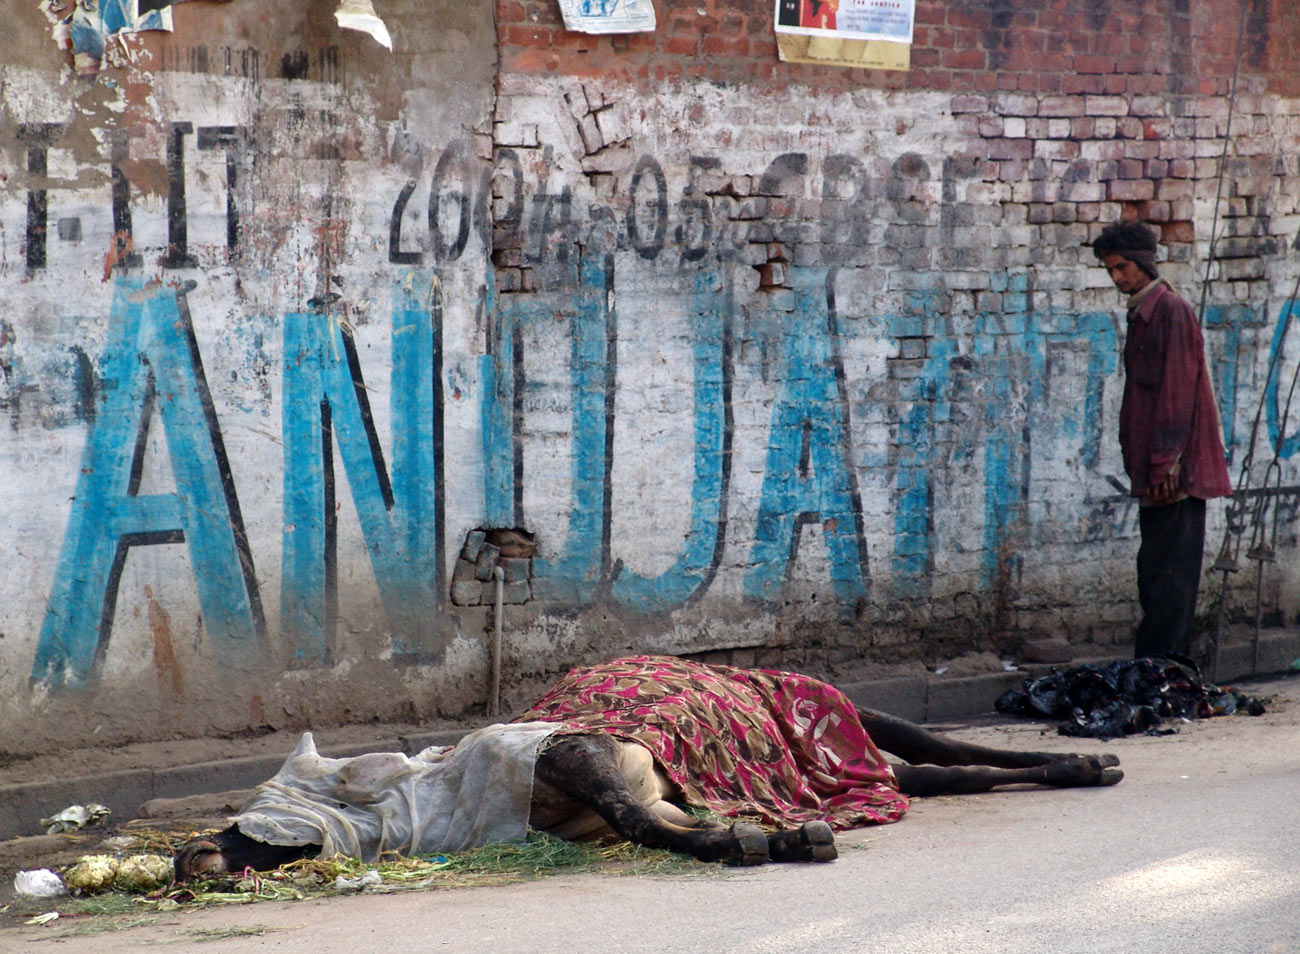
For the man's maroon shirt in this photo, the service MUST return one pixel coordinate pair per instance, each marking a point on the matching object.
(1168, 413)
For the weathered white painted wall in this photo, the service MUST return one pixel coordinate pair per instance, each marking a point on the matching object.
(809, 375)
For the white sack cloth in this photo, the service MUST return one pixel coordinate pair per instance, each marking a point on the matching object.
(444, 799)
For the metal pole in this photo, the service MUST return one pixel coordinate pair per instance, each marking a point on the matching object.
(494, 695)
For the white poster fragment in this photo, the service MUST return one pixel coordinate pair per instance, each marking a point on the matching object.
(875, 34)
(608, 16)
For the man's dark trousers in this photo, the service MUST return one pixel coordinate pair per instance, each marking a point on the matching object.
(1169, 576)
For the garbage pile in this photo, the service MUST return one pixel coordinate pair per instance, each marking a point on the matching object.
(1124, 698)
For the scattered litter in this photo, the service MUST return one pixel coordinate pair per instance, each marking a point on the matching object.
(941, 670)
(1124, 698)
(75, 817)
(41, 883)
(371, 879)
(1009, 665)
(45, 918)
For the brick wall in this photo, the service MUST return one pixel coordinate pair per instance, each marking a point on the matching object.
(943, 213)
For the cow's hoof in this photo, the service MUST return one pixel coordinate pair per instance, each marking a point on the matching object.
(811, 841)
(1085, 770)
(750, 845)
(819, 838)
(199, 857)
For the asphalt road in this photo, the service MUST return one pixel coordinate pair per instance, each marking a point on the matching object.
(1196, 851)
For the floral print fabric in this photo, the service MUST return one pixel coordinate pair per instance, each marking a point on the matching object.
(784, 747)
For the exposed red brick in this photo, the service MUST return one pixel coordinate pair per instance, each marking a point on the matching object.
(1085, 63)
(528, 36)
(965, 59)
(1081, 83)
(923, 58)
(510, 11)
(681, 45)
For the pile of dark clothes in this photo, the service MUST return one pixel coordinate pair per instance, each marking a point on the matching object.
(1124, 698)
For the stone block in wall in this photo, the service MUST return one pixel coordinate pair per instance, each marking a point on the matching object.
(969, 104)
(1063, 212)
(466, 592)
(1014, 104)
(1148, 106)
(486, 562)
(1130, 190)
(516, 568)
(516, 593)
(589, 133)
(464, 570)
(1087, 211)
(1104, 127)
(1155, 211)
(1237, 269)
(1208, 129)
(1106, 106)
(1000, 149)
(968, 280)
(473, 545)
(519, 135)
(614, 123)
(1056, 149)
(1131, 169)
(1129, 127)
(1064, 106)
(912, 348)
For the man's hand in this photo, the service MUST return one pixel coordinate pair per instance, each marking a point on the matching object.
(1164, 492)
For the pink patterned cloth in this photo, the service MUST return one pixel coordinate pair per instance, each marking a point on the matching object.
(784, 747)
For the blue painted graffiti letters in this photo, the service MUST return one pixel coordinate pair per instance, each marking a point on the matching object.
(808, 476)
(324, 399)
(151, 362)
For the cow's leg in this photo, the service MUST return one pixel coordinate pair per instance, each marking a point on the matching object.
(1069, 772)
(232, 850)
(811, 841)
(919, 745)
(585, 768)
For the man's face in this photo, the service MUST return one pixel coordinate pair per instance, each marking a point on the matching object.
(1126, 273)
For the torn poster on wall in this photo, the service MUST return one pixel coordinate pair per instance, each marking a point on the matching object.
(360, 15)
(872, 34)
(95, 30)
(608, 16)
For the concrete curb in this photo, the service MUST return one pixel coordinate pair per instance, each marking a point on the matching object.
(920, 698)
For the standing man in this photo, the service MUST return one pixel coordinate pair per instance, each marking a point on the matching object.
(1169, 433)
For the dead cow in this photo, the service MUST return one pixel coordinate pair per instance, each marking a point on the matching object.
(617, 749)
